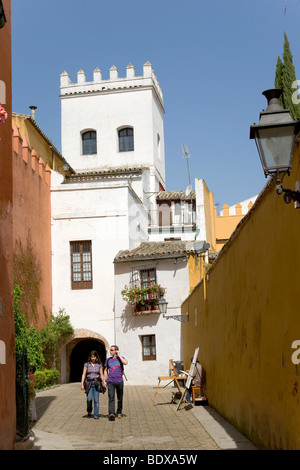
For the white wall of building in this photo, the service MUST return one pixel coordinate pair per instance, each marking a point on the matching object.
(200, 209)
(130, 328)
(99, 212)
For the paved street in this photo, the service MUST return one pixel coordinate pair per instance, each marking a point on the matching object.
(63, 423)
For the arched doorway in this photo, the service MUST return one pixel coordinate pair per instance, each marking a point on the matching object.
(80, 353)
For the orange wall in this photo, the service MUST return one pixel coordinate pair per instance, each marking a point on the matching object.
(32, 212)
(7, 367)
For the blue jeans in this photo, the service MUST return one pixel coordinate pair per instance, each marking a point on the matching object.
(93, 395)
(188, 394)
(112, 388)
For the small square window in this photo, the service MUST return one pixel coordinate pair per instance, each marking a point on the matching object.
(148, 348)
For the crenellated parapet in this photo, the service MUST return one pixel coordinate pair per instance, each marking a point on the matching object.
(239, 209)
(229, 218)
(98, 85)
(23, 152)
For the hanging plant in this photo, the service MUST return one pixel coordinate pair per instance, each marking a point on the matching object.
(3, 115)
(143, 295)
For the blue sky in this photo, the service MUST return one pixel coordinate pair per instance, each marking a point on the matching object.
(213, 59)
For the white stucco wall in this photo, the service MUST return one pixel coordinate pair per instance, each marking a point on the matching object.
(129, 328)
(98, 212)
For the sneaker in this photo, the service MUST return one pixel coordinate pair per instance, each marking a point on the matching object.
(119, 415)
(111, 417)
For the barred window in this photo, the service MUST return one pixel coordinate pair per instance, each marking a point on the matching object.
(148, 348)
(81, 265)
(148, 277)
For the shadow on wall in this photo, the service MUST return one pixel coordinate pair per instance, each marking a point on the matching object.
(132, 322)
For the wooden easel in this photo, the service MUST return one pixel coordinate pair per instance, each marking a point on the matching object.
(174, 377)
(189, 378)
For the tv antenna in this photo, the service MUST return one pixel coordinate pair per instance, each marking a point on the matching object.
(186, 155)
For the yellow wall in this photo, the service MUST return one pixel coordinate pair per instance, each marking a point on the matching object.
(194, 263)
(38, 141)
(209, 217)
(247, 325)
(225, 224)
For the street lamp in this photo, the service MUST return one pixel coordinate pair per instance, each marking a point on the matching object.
(275, 139)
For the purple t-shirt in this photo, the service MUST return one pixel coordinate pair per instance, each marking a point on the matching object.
(92, 372)
(115, 372)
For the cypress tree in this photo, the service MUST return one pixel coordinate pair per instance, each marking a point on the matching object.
(278, 78)
(285, 78)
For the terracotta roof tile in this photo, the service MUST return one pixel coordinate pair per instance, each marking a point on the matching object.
(175, 195)
(106, 172)
(154, 250)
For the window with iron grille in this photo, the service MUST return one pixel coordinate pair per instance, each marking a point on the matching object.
(148, 348)
(148, 277)
(81, 265)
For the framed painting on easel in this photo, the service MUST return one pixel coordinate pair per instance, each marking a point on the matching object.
(190, 376)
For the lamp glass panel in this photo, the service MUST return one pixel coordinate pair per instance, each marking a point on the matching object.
(276, 147)
(162, 305)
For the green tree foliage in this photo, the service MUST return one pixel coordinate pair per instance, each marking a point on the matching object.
(278, 77)
(26, 336)
(285, 79)
(41, 346)
(58, 327)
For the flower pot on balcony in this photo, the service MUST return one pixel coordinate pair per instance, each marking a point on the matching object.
(138, 309)
(149, 307)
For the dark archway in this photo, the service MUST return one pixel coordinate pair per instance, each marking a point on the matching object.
(80, 355)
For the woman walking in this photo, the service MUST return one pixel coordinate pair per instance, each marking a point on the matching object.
(92, 375)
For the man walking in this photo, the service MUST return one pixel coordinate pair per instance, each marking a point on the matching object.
(113, 376)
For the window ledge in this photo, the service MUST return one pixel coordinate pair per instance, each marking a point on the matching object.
(144, 312)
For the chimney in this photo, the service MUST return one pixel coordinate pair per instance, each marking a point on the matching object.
(33, 108)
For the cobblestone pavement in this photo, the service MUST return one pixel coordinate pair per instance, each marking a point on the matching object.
(63, 423)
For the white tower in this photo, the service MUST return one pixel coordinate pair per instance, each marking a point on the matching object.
(114, 123)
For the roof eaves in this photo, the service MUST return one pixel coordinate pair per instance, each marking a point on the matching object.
(32, 121)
